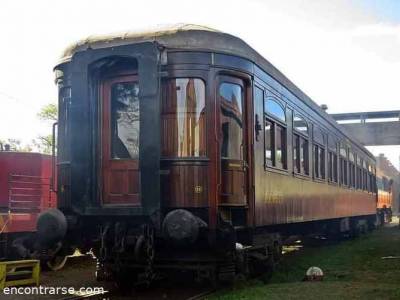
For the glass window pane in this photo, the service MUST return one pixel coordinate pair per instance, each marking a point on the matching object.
(231, 120)
(322, 163)
(125, 117)
(335, 179)
(319, 136)
(316, 161)
(280, 147)
(274, 108)
(296, 153)
(343, 151)
(304, 156)
(268, 142)
(332, 143)
(184, 118)
(300, 125)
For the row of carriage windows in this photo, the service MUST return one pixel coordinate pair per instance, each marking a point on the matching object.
(346, 169)
(184, 126)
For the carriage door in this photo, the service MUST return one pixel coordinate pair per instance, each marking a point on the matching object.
(232, 141)
(120, 141)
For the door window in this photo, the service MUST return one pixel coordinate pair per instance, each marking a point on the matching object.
(231, 98)
(125, 115)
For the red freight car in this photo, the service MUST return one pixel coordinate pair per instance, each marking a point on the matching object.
(24, 193)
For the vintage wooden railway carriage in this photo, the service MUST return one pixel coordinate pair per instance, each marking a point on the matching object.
(183, 147)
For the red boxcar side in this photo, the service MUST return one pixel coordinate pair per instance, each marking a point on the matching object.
(24, 190)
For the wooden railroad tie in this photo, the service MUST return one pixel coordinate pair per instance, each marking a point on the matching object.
(19, 272)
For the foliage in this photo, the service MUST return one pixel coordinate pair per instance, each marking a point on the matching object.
(44, 143)
(48, 112)
(15, 145)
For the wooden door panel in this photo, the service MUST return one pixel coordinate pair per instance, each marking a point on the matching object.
(232, 187)
(232, 120)
(120, 141)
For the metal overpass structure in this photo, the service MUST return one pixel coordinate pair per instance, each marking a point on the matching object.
(372, 128)
(381, 128)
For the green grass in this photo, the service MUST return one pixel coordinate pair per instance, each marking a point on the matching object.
(354, 269)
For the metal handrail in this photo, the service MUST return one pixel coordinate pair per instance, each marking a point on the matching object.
(53, 158)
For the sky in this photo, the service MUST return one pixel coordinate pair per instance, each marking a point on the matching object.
(343, 53)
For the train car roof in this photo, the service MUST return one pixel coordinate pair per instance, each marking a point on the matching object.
(196, 37)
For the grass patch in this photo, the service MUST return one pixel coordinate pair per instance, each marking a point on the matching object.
(354, 269)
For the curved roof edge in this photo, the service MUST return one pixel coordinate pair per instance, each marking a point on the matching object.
(196, 37)
(158, 33)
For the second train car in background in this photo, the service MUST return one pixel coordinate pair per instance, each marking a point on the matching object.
(183, 148)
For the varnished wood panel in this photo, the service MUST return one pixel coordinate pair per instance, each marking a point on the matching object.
(184, 185)
(120, 177)
(232, 183)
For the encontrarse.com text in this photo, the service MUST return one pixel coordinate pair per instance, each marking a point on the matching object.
(50, 290)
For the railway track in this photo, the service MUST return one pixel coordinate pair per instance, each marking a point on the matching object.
(95, 295)
(158, 295)
(202, 295)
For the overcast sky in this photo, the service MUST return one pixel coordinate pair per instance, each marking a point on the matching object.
(345, 54)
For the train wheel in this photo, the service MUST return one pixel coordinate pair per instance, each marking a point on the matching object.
(57, 262)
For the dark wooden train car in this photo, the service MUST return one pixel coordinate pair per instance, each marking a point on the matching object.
(24, 193)
(184, 148)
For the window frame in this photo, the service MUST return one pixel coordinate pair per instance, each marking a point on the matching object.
(301, 138)
(166, 81)
(359, 168)
(275, 121)
(316, 148)
(334, 164)
(352, 169)
(345, 160)
(365, 176)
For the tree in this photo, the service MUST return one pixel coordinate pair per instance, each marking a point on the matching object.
(15, 145)
(43, 143)
(48, 113)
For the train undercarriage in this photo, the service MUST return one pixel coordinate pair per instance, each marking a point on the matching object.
(138, 254)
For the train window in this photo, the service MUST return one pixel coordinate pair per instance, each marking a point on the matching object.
(125, 117)
(300, 146)
(371, 179)
(231, 101)
(275, 134)
(352, 170)
(343, 166)
(269, 136)
(183, 118)
(332, 160)
(300, 125)
(280, 148)
(365, 176)
(273, 108)
(359, 173)
(319, 154)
